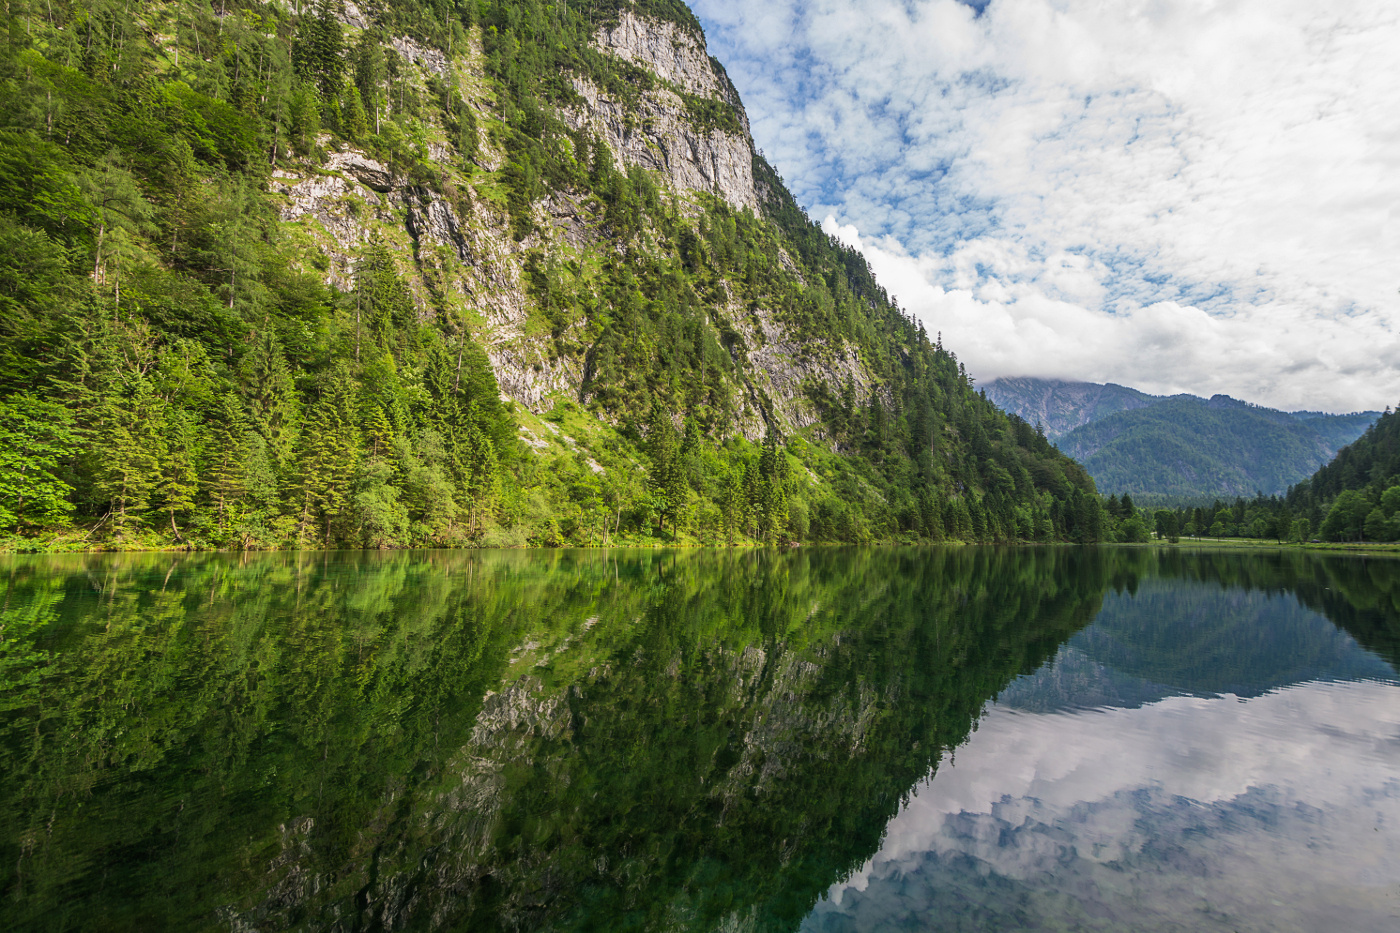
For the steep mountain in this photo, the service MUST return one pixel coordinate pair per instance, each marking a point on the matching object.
(455, 273)
(1058, 406)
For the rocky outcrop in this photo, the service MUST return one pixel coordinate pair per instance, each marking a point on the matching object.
(428, 59)
(660, 135)
(673, 54)
(431, 220)
(457, 251)
(780, 367)
(332, 205)
(368, 172)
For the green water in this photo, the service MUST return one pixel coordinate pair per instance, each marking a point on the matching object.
(843, 739)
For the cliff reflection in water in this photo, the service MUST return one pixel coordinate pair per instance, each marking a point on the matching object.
(568, 740)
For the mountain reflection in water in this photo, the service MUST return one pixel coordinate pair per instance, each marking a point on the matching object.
(1203, 757)
(700, 741)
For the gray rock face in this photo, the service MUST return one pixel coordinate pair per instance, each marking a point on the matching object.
(351, 15)
(458, 251)
(672, 54)
(661, 137)
(781, 367)
(1061, 406)
(425, 58)
(430, 219)
(362, 168)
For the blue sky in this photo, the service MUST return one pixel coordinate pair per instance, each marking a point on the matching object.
(1178, 195)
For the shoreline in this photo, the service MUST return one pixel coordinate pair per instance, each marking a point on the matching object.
(1226, 544)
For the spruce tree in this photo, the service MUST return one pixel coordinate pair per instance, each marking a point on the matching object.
(36, 439)
(329, 455)
(179, 474)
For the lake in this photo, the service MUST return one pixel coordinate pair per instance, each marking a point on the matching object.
(818, 740)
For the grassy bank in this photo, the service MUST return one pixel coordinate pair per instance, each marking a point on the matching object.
(1256, 544)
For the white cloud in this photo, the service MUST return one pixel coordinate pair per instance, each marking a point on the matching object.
(1181, 195)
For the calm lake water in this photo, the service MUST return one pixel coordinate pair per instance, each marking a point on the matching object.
(823, 740)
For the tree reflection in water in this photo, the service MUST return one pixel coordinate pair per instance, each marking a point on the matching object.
(506, 740)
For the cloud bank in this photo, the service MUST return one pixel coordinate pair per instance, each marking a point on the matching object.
(1179, 195)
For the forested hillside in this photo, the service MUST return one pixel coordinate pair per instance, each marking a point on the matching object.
(449, 273)
(1354, 498)
(1191, 447)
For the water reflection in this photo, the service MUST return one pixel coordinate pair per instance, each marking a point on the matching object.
(692, 741)
(1199, 758)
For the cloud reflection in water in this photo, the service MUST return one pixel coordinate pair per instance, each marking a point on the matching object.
(1276, 812)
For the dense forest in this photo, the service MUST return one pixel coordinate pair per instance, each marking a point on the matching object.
(1354, 498)
(182, 366)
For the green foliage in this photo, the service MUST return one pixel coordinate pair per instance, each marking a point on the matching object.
(1370, 465)
(209, 388)
(1346, 519)
(1354, 498)
(36, 440)
(1190, 447)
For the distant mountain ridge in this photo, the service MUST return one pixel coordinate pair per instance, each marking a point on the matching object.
(1059, 406)
(1181, 445)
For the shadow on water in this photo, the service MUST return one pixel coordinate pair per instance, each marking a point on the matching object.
(564, 740)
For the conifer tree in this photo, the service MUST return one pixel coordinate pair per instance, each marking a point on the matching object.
(118, 208)
(179, 475)
(318, 52)
(732, 504)
(330, 452)
(369, 75)
(128, 455)
(271, 395)
(36, 439)
(228, 457)
(666, 479)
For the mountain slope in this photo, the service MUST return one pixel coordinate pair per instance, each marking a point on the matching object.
(1356, 496)
(1058, 406)
(1187, 446)
(1180, 445)
(1337, 431)
(448, 274)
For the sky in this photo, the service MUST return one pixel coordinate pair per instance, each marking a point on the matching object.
(1175, 195)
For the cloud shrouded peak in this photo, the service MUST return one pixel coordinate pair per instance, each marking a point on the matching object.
(1181, 196)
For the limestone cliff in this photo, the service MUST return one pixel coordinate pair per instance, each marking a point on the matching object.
(660, 136)
(458, 254)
